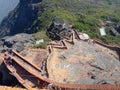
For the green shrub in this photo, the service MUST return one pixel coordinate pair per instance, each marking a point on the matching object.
(41, 35)
(82, 15)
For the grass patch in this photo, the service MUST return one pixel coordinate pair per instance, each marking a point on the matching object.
(84, 16)
(41, 35)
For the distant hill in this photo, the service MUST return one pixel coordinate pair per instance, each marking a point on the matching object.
(85, 15)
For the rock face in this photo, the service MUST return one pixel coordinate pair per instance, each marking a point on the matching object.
(58, 29)
(20, 19)
(18, 42)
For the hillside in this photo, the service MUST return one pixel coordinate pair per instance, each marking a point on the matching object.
(85, 15)
(6, 6)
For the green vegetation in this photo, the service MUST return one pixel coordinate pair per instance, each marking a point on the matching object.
(86, 16)
(41, 35)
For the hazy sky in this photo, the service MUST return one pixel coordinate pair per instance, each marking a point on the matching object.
(6, 6)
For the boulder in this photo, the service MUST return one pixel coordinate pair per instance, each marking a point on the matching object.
(58, 29)
(9, 44)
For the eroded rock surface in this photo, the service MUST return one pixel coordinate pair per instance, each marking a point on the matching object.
(58, 29)
(84, 63)
(18, 42)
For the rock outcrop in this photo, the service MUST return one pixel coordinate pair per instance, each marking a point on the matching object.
(18, 42)
(21, 19)
(58, 29)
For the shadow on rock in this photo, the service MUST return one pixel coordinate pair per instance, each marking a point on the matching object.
(6, 78)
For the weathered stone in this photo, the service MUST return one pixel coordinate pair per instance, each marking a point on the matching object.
(18, 42)
(20, 47)
(58, 29)
(116, 74)
(21, 19)
(9, 44)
